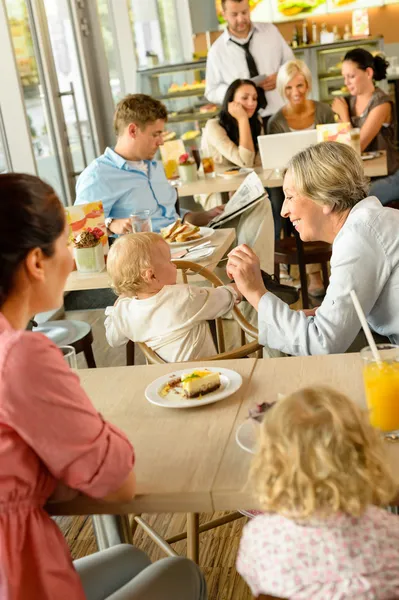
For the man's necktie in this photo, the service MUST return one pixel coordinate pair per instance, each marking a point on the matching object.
(253, 69)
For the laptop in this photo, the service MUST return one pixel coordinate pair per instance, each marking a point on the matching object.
(277, 150)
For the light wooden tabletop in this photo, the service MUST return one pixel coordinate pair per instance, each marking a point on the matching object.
(178, 451)
(222, 238)
(283, 376)
(376, 167)
(188, 460)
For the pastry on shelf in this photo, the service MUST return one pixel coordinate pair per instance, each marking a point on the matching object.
(208, 108)
(168, 136)
(190, 135)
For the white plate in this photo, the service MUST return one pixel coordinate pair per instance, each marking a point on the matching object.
(199, 254)
(230, 381)
(205, 233)
(247, 435)
(243, 171)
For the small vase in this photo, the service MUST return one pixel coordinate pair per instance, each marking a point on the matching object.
(90, 260)
(188, 173)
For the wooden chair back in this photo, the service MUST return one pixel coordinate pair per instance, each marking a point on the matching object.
(188, 268)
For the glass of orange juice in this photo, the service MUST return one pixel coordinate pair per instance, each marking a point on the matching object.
(381, 382)
(171, 169)
(208, 164)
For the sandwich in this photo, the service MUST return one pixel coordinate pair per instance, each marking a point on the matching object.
(180, 232)
(168, 232)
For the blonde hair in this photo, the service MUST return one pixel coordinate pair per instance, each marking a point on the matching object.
(329, 173)
(128, 258)
(139, 109)
(319, 455)
(288, 70)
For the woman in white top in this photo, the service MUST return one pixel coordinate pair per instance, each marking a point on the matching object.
(326, 199)
(232, 138)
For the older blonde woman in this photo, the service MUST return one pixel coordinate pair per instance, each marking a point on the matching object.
(294, 83)
(326, 199)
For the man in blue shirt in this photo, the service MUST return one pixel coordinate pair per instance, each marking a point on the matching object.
(127, 179)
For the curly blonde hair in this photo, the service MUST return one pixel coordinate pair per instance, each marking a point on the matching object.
(128, 258)
(319, 455)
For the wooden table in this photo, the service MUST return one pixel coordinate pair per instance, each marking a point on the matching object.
(222, 238)
(377, 167)
(188, 460)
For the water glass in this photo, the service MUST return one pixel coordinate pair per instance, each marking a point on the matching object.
(69, 354)
(141, 221)
(355, 140)
(381, 382)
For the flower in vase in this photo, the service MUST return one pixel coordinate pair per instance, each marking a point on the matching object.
(185, 159)
(88, 238)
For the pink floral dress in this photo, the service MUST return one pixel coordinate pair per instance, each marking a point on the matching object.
(339, 558)
(49, 431)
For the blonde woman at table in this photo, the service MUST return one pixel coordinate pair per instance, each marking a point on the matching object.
(371, 109)
(326, 199)
(53, 443)
(294, 83)
(321, 477)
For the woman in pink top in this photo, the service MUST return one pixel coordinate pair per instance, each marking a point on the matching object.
(321, 476)
(53, 443)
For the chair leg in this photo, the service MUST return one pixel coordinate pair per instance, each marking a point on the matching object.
(193, 537)
(302, 271)
(89, 356)
(277, 271)
(326, 279)
(130, 353)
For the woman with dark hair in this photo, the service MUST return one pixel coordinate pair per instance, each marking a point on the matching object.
(53, 443)
(232, 138)
(370, 109)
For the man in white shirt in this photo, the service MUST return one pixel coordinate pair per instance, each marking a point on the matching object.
(263, 50)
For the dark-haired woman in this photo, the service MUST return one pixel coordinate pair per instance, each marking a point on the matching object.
(232, 138)
(53, 443)
(370, 109)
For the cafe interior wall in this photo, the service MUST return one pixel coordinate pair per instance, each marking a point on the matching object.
(383, 21)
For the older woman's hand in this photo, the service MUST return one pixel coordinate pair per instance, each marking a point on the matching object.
(243, 266)
(340, 107)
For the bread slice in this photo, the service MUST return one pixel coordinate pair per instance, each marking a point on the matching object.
(168, 232)
(188, 238)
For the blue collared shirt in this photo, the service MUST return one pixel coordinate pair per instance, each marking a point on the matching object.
(123, 189)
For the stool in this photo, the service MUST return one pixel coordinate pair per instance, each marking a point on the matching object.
(70, 333)
(292, 251)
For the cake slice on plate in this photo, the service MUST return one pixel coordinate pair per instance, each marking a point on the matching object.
(200, 382)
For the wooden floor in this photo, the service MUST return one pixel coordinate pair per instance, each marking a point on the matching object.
(218, 547)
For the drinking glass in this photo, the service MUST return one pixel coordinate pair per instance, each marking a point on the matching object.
(171, 169)
(355, 140)
(381, 382)
(69, 353)
(141, 221)
(207, 164)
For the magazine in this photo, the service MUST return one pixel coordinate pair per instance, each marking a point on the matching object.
(250, 192)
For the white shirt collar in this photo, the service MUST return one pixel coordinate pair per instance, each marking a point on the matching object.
(227, 35)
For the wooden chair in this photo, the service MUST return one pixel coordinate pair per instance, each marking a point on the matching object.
(292, 251)
(70, 333)
(193, 527)
(246, 328)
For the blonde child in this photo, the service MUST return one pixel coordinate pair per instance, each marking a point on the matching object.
(321, 476)
(170, 318)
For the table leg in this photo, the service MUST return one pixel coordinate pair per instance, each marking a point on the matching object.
(110, 530)
(193, 536)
